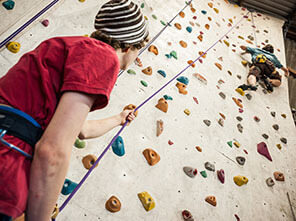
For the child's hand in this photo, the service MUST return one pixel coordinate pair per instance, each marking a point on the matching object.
(126, 115)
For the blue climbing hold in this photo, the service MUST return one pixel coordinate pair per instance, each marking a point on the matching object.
(118, 146)
(183, 80)
(9, 4)
(204, 12)
(168, 55)
(189, 29)
(167, 97)
(68, 187)
(162, 73)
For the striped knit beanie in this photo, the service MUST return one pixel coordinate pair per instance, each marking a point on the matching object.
(122, 20)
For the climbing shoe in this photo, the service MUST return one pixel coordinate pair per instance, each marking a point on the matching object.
(268, 85)
(245, 87)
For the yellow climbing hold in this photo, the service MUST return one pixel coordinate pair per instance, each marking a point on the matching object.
(236, 6)
(240, 91)
(146, 200)
(86, 35)
(240, 180)
(13, 47)
(244, 62)
(279, 146)
(249, 19)
(230, 20)
(82, 0)
(187, 112)
(241, 37)
(226, 42)
(237, 144)
(145, 17)
(216, 10)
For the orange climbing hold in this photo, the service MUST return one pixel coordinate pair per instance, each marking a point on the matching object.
(147, 70)
(216, 10)
(210, 4)
(198, 148)
(178, 26)
(207, 26)
(159, 127)
(183, 44)
(219, 66)
(131, 107)
(200, 37)
(89, 160)
(191, 62)
(211, 200)
(222, 115)
(193, 9)
(248, 41)
(151, 156)
(162, 105)
(202, 54)
(182, 14)
(113, 204)
(238, 103)
(226, 42)
(153, 49)
(182, 88)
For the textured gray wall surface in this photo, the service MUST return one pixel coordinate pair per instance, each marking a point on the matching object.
(290, 46)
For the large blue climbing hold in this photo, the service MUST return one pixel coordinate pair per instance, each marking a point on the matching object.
(204, 12)
(162, 73)
(183, 80)
(118, 146)
(68, 187)
(189, 29)
(9, 4)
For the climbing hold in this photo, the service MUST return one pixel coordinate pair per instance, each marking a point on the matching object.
(167, 97)
(182, 14)
(221, 175)
(207, 122)
(275, 126)
(240, 91)
(9, 4)
(222, 95)
(162, 105)
(246, 152)
(216, 10)
(229, 143)
(131, 107)
(220, 58)
(154, 16)
(142, 5)
(182, 88)
(189, 29)
(130, 71)
(147, 71)
(210, 4)
(279, 146)
(13, 47)
(284, 115)
(144, 83)
(204, 174)
(153, 49)
(183, 44)
(147, 201)
(201, 53)
(211, 200)
(237, 218)
(113, 204)
(187, 216)
(151, 156)
(189, 171)
(45, 22)
(249, 96)
(265, 136)
(284, 140)
(263, 150)
(230, 20)
(226, 42)
(240, 180)
(200, 37)
(162, 73)
(178, 26)
(239, 118)
(251, 37)
(138, 62)
(240, 128)
(219, 66)
(89, 160)
(79, 143)
(237, 144)
(204, 12)
(82, 0)
(269, 182)
(193, 10)
(222, 115)
(207, 26)
(209, 166)
(187, 112)
(238, 103)
(198, 148)
(168, 55)
(191, 63)
(170, 142)
(118, 146)
(68, 187)
(257, 119)
(183, 80)
(240, 110)
(194, 17)
(279, 176)
(159, 127)
(244, 63)
(230, 73)
(200, 78)
(221, 122)
(195, 100)
(163, 23)
(191, 23)
(174, 54)
(240, 160)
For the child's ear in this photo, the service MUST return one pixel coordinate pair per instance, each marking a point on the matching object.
(125, 50)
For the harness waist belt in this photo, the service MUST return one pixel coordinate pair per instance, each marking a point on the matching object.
(20, 125)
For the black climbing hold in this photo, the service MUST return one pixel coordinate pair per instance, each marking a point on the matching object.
(265, 136)
(241, 160)
(209, 166)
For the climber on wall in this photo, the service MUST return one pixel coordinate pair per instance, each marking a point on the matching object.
(264, 64)
(45, 99)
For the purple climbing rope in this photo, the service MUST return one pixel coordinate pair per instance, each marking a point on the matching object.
(4, 42)
(121, 129)
(254, 29)
(159, 33)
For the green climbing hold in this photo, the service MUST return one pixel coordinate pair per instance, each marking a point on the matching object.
(229, 143)
(130, 71)
(167, 97)
(204, 174)
(142, 5)
(163, 23)
(144, 83)
(154, 16)
(79, 143)
(9, 4)
(174, 54)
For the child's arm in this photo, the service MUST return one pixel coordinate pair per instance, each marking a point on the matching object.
(286, 71)
(97, 128)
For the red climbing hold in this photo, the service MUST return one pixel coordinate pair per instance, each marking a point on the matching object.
(246, 152)
(262, 149)
(237, 218)
(221, 175)
(170, 142)
(195, 99)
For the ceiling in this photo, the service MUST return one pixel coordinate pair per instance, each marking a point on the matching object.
(283, 9)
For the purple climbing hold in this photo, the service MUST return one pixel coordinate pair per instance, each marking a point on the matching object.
(221, 175)
(263, 150)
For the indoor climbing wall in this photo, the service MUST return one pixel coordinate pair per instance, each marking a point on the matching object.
(197, 145)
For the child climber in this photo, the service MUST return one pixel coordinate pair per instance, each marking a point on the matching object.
(45, 99)
(264, 64)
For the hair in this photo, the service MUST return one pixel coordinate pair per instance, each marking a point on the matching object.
(269, 48)
(99, 35)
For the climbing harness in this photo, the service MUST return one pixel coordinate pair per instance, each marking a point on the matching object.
(125, 124)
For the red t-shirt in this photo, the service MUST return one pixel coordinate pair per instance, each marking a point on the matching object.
(35, 84)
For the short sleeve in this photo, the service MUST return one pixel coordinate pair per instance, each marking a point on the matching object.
(277, 63)
(91, 67)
